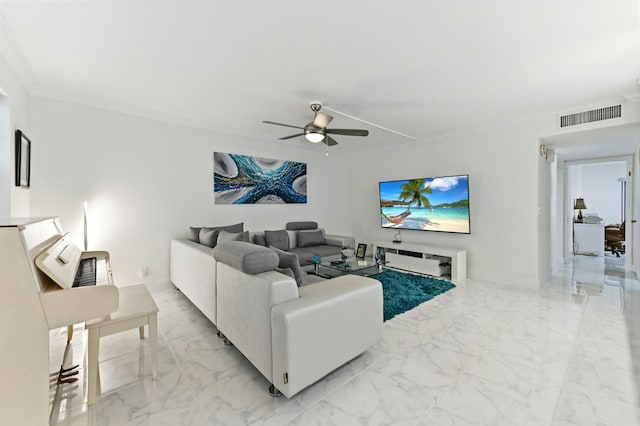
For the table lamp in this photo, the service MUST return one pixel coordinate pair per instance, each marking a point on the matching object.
(580, 205)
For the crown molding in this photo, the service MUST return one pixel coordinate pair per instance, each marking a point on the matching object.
(101, 104)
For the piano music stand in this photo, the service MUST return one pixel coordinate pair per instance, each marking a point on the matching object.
(136, 308)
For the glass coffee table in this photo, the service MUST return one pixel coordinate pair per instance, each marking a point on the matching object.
(352, 265)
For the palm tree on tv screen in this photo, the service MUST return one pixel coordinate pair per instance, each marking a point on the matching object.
(415, 191)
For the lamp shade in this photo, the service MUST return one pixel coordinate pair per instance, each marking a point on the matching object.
(580, 205)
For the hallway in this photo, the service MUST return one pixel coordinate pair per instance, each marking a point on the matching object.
(602, 381)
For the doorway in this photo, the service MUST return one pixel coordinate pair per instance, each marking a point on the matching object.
(592, 150)
(604, 188)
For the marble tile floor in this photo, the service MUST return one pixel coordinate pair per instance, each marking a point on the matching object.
(480, 354)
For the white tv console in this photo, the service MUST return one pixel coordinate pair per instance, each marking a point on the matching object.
(429, 260)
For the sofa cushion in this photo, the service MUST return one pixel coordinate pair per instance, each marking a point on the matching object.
(321, 250)
(224, 236)
(290, 261)
(248, 258)
(310, 238)
(235, 228)
(299, 226)
(208, 237)
(304, 257)
(194, 231)
(278, 239)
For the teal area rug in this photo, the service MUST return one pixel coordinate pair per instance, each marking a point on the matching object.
(402, 291)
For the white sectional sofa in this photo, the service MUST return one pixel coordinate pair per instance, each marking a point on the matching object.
(193, 268)
(293, 335)
(193, 271)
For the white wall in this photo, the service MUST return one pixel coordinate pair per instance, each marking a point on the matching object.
(600, 189)
(146, 181)
(14, 113)
(502, 164)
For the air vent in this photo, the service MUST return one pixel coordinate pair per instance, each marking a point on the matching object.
(599, 114)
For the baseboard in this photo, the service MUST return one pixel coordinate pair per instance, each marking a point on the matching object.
(510, 280)
(161, 285)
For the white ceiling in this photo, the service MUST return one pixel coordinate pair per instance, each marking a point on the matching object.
(423, 68)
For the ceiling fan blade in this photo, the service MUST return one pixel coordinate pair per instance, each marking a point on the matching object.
(322, 120)
(329, 141)
(292, 136)
(281, 124)
(348, 132)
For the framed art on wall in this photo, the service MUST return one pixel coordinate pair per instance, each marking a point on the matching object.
(243, 179)
(23, 160)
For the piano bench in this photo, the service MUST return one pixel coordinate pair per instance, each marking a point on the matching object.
(136, 308)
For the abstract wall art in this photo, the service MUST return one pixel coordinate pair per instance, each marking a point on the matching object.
(243, 179)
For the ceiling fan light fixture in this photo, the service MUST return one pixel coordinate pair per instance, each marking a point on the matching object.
(314, 136)
(316, 131)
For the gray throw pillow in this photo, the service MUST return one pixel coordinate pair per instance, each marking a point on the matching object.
(208, 237)
(224, 236)
(299, 226)
(290, 261)
(278, 239)
(194, 233)
(259, 240)
(310, 238)
(288, 272)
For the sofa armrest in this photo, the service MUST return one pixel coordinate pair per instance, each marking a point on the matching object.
(244, 304)
(331, 323)
(340, 240)
(193, 270)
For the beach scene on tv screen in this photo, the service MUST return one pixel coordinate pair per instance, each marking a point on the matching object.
(429, 204)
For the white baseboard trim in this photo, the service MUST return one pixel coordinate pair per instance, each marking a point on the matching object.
(160, 285)
(510, 280)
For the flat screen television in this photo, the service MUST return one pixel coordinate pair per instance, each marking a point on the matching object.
(427, 204)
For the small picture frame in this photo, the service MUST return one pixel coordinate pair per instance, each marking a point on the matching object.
(362, 250)
(23, 160)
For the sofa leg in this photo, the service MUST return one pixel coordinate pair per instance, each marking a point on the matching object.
(274, 392)
(227, 342)
(219, 334)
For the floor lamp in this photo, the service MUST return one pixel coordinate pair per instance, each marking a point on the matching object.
(84, 220)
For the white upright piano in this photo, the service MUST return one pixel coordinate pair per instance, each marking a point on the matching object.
(47, 283)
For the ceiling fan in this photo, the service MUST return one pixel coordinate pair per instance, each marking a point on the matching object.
(316, 131)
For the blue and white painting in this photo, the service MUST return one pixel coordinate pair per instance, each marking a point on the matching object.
(242, 179)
